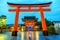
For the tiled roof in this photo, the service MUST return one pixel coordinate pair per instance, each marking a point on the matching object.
(29, 17)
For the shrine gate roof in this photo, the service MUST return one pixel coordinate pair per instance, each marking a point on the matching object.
(29, 17)
(39, 4)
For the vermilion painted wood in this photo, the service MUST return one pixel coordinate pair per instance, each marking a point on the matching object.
(29, 6)
(42, 19)
(29, 10)
(16, 18)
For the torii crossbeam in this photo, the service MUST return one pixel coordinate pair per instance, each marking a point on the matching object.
(38, 7)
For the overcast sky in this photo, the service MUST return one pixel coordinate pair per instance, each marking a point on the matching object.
(53, 15)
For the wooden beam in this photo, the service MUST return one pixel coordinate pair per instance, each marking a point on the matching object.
(32, 5)
(13, 10)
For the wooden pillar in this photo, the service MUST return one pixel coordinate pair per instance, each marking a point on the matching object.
(44, 28)
(14, 33)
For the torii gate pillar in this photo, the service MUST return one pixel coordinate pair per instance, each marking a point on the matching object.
(14, 33)
(44, 28)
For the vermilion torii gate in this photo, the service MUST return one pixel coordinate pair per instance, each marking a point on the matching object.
(38, 7)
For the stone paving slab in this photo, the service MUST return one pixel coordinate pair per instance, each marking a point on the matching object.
(7, 36)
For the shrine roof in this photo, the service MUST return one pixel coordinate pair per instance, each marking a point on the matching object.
(29, 17)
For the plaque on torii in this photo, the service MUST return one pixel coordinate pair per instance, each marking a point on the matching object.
(30, 8)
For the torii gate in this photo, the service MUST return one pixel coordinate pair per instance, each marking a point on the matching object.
(29, 6)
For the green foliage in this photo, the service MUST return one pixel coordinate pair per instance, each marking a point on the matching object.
(48, 23)
(4, 26)
(51, 30)
(3, 21)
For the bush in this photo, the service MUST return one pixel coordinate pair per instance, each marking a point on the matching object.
(51, 31)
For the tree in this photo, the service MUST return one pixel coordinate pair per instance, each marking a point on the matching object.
(48, 23)
(3, 21)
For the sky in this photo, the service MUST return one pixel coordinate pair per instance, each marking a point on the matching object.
(53, 15)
